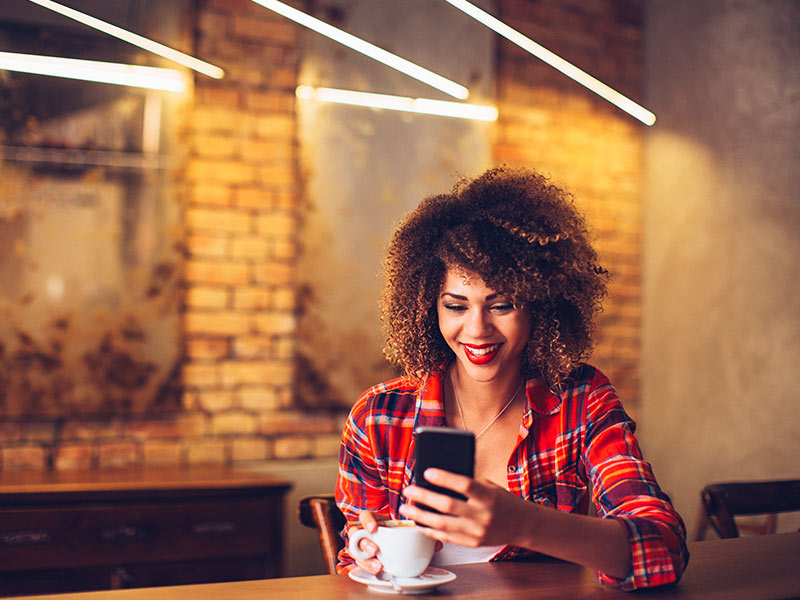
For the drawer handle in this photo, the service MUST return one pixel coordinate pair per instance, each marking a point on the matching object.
(215, 528)
(26, 538)
(122, 534)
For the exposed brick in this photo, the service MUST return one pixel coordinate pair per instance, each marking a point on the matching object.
(10, 432)
(259, 347)
(207, 348)
(269, 127)
(73, 457)
(239, 423)
(201, 375)
(250, 448)
(217, 323)
(256, 372)
(87, 429)
(218, 220)
(211, 195)
(213, 297)
(259, 398)
(269, 101)
(23, 458)
(192, 425)
(326, 445)
(218, 95)
(297, 422)
(274, 273)
(251, 197)
(276, 224)
(161, 453)
(264, 30)
(143, 429)
(249, 298)
(292, 447)
(206, 451)
(243, 248)
(229, 171)
(39, 431)
(116, 455)
(215, 400)
(276, 323)
(214, 146)
(216, 272)
(207, 245)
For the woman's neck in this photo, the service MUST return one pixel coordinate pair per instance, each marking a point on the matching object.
(481, 398)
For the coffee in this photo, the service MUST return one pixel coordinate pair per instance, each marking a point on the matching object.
(404, 551)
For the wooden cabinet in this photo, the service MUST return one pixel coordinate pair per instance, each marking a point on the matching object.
(80, 531)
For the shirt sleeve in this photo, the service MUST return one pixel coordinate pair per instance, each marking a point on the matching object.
(359, 485)
(624, 488)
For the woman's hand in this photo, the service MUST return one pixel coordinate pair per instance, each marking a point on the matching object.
(490, 516)
(369, 521)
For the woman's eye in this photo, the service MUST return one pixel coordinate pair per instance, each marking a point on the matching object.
(502, 307)
(455, 307)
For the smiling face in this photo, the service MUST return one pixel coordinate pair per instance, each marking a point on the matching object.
(487, 333)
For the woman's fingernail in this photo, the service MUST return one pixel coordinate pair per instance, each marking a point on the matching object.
(431, 474)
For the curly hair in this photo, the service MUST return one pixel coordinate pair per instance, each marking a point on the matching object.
(525, 238)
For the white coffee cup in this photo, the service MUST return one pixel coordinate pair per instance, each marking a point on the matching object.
(402, 548)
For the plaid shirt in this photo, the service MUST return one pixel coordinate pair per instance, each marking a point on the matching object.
(568, 444)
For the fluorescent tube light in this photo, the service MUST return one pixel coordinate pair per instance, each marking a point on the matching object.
(137, 40)
(424, 106)
(370, 50)
(153, 78)
(555, 61)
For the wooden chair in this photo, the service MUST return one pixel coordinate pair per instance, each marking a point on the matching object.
(320, 512)
(722, 502)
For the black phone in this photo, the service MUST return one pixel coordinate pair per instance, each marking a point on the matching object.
(445, 448)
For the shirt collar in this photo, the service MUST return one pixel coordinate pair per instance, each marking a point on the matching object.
(430, 400)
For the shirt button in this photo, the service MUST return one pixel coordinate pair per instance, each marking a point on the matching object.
(512, 469)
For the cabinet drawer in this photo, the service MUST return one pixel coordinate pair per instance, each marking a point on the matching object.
(71, 536)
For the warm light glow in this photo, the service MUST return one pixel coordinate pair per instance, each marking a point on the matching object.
(359, 45)
(424, 106)
(91, 70)
(555, 61)
(137, 40)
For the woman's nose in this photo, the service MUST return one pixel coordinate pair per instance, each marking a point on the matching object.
(478, 324)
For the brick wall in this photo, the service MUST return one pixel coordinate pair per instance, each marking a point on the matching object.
(549, 122)
(243, 208)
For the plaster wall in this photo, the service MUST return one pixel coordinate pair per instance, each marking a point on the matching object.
(721, 325)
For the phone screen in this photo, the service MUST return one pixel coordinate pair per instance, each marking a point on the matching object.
(445, 448)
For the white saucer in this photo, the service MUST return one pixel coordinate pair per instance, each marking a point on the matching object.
(430, 579)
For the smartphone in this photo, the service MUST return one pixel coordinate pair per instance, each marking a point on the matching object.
(445, 448)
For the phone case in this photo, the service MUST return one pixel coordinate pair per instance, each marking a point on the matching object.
(444, 448)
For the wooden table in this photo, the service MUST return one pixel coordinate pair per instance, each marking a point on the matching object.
(78, 531)
(744, 568)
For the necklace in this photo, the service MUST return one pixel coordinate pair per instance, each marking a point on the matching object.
(497, 416)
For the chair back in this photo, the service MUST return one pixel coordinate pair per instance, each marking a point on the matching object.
(320, 512)
(722, 502)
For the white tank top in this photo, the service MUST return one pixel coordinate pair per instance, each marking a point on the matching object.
(453, 554)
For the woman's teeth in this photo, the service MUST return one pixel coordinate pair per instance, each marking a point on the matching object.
(482, 351)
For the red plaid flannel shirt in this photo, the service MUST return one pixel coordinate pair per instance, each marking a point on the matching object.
(568, 444)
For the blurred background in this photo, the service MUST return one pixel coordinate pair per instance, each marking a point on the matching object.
(191, 278)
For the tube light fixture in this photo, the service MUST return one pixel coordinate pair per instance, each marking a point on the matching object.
(137, 40)
(555, 61)
(153, 78)
(387, 58)
(424, 106)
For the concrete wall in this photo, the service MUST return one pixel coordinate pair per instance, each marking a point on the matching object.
(721, 331)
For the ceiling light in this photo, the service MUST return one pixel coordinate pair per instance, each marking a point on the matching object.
(359, 45)
(555, 61)
(137, 40)
(424, 106)
(153, 78)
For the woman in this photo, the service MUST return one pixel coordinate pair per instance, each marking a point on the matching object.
(490, 296)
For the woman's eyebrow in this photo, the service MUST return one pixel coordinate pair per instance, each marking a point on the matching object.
(457, 297)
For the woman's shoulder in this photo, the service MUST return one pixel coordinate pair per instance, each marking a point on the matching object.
(398, 395)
